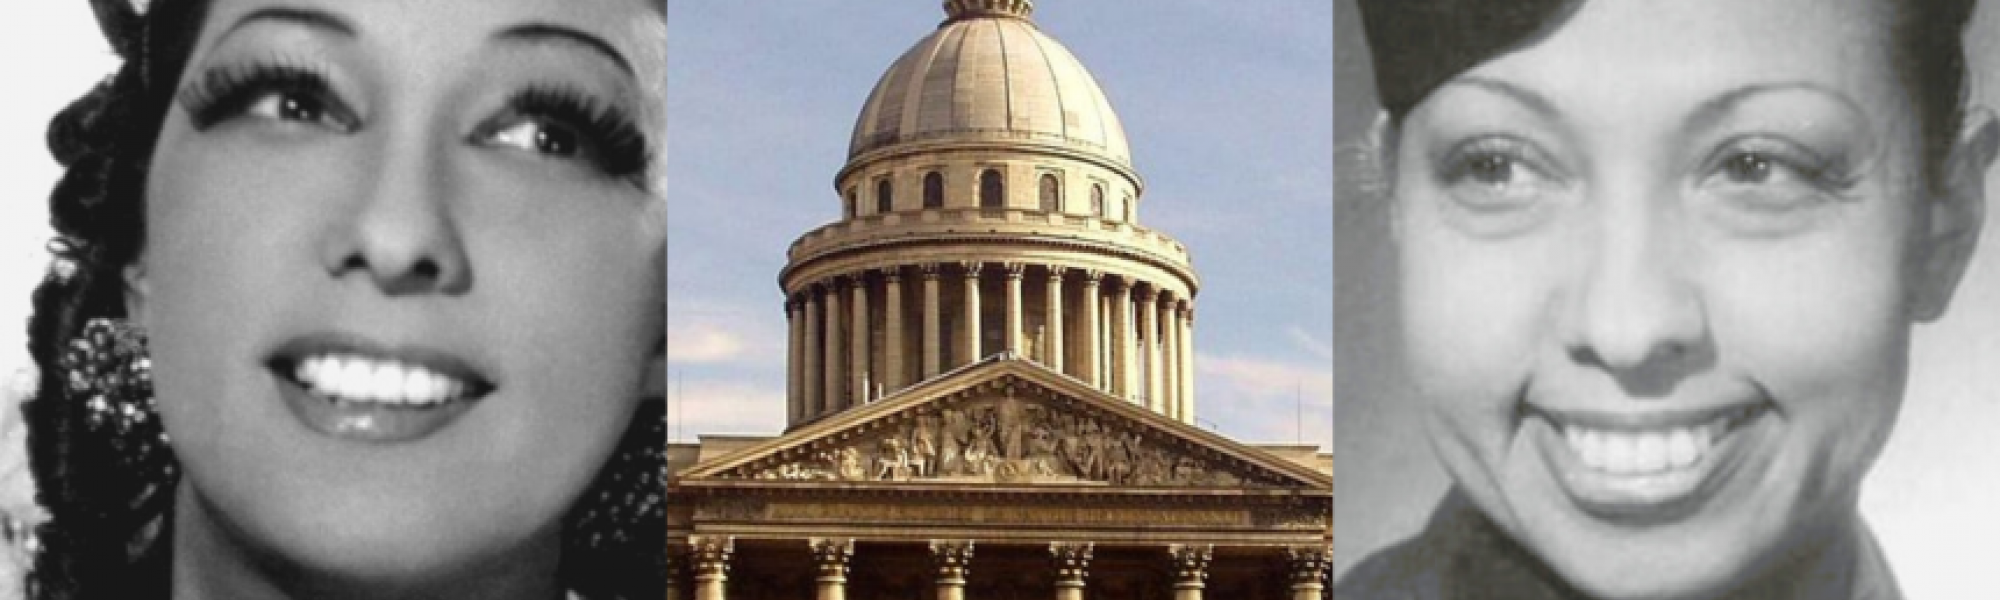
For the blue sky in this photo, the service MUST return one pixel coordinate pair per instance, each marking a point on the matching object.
(1228, 106)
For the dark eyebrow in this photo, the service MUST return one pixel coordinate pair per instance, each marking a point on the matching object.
(302, 16)
(1713, 109)
(545, 32)
(1534, 100)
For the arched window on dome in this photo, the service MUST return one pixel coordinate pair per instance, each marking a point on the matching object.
(990, 190)
(884, 196)
(1051, 191)
(1097, 200)
(1128, 208)
(850, 203)
(933, 190)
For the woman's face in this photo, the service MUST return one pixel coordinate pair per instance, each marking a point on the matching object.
(1658, 274)
(404, 272)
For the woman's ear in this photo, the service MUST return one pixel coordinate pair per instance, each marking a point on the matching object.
(137, 288)
(1957, 214)
(1379, 170)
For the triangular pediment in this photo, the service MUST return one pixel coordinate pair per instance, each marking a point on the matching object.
(1009, 421)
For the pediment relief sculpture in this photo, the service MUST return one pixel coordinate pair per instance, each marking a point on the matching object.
(1008, 434)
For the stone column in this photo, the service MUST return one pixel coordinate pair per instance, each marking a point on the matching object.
(830, 566)
(1190, 567)
(795, 330)
(1052, 317)
(953, 559)
(860, 385)
(815, 400)
(1187, 361)
(970, 342)
(1072, 563)
(676, 565)
(893, 372)
(1107, 372)
(1124, 382)
(1149, 347)
(836, 347)
(933, 344)
(1014, 271)
(1169, 357)
(1088, 329)
(711, 565)
(1307, 566)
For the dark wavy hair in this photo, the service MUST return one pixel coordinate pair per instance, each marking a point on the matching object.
(109, 500)
(1926, 50)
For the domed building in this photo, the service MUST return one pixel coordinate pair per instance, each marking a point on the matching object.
(991, 356)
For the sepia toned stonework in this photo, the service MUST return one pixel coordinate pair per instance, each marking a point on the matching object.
(991, 390)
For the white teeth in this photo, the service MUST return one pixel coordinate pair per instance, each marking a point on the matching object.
(363, 380)
(1681, 450)
(1643, 452)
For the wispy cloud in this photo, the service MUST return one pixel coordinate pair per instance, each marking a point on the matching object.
(1310, 343)
(1263, 399)
(703, 343)
(705, 332)
(715, 406)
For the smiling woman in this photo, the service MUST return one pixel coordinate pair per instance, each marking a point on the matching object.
(1657, 268)
(357, 300)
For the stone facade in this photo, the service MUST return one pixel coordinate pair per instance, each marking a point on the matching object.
(991, 389)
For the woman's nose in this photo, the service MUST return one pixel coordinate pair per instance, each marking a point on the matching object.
(402, 234)
(1636, 314)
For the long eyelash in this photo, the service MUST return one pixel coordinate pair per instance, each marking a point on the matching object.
(619, 148)
(224, 92)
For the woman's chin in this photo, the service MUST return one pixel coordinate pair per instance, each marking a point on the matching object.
(372, 543)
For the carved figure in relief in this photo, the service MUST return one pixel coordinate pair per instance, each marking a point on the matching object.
(1011, 424)
(849, 464)
(924, 447)
(951, 455)
(1042, 451)
(1152, 469)
(1185, 470)
(893, 460)
(1117, 461)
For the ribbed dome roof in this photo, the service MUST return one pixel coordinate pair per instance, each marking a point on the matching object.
(988, 74)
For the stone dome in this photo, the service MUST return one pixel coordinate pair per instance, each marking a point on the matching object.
(989, 75)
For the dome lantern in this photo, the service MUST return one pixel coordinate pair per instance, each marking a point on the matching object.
(967, 9)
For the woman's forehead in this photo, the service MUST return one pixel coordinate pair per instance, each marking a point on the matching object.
(1622, 54)
(624, 31)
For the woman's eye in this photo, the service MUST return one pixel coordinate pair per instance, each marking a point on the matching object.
(1494, 180)
(1767, 187)
(539, 136)
(1767, 180)
(288, 106)
(1747, 168)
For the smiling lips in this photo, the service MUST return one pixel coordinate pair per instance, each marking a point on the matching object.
(1648, 451)
(1647, 467)
(352, 389)
(351, 378)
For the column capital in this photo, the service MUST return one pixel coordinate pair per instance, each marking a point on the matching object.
(1056, 272)
(830, 555)
(892, 275)
(1144, 294)
(1091, 277)
(1014, 270)
(930, 270)
(956, 553)
(710, 554)
(1307, 565)
(1072, 560)
(971, 267)
(1190, 563)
